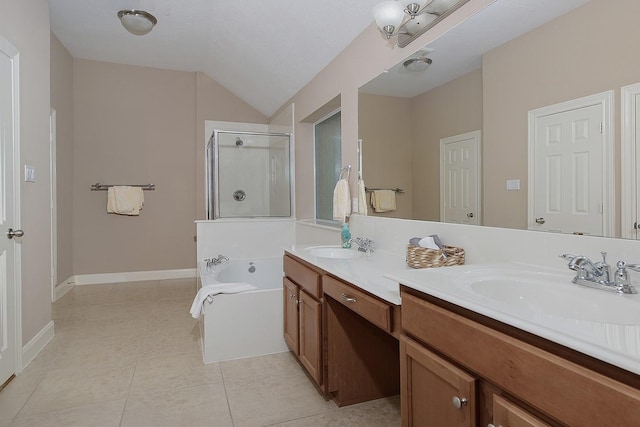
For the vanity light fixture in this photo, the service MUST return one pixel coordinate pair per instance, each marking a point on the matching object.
(137, 22)
(408, 19)
(417, 64)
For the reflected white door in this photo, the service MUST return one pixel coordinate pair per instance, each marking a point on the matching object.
(568, 171)
(630, 164)
(460, 179)
(8, 129)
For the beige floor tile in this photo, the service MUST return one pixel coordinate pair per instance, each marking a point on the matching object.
(69, 388)
(175, 289)
(67, 352)
(73, 329)
(17, 392)
(103, 414)
(272, 398)
(169, 341)
(6, 422)
(174, 372)
(329, 419)
(376, 413)
(234, 370)
(195, 406)
(81, 295)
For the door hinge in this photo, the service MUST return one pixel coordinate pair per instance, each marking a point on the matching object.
(601, 127)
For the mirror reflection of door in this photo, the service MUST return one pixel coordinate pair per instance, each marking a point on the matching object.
(460, 178)
(630, 162)
(568, 167)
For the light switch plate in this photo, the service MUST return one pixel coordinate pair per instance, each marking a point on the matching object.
(513, 184)
(29, 173)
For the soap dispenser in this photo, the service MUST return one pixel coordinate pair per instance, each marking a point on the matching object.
(346, 236)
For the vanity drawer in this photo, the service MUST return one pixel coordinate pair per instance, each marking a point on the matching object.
(566, 391)
(372, 309)
(303, 276)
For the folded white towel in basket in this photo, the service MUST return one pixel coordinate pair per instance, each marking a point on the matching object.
(215, 289)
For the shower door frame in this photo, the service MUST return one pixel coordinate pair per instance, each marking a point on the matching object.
(213, 170)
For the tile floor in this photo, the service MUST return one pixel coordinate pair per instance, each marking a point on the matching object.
(127, 355)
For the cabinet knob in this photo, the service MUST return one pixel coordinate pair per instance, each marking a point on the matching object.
(459, 402)
(490, 425)
(292, 296)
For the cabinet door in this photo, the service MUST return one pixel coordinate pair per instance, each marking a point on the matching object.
(433, 391)
(291, 298)
(507, 414)
(310, 353)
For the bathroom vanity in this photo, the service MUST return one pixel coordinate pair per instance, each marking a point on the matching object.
(345, 337)
(492, 344)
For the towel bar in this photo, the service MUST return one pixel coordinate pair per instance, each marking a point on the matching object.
(397, 190)
(102, 187)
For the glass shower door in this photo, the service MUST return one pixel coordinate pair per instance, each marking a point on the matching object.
(251, 175)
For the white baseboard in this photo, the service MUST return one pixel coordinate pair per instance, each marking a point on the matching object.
(64, 287)
(31, 349)
(133, 276)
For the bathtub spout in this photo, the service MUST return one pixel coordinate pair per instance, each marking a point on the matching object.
(219, 260)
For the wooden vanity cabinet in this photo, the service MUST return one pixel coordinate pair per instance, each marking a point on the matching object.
(362, 353)
(303, 316)
(508, 414)
(434, 392)
(521, 379)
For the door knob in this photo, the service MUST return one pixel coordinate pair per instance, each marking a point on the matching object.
(11, 233)
(540, 220)
(470, 215)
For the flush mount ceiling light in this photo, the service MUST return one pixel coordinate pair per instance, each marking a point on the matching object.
(408, 19)
(137, 22)
(417, 64)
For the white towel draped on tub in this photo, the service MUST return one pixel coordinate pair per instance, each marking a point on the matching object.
(341, 200)
(215, 289)
(125, 200)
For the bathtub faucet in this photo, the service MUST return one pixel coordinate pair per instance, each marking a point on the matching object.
(217, 261)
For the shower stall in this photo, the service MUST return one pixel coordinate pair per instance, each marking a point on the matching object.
(249, 175)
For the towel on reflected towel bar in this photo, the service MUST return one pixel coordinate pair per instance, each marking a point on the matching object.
(341, 200)
(362, 198)
(209, 291)
(383, 200)
(125, 200)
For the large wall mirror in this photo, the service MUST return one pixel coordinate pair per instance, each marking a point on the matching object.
(486, 75)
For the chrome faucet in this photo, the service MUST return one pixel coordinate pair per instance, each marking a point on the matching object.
(364, 245)
(216, 261)
(598, 275)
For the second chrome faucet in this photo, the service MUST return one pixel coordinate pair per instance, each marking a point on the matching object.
(598, 275)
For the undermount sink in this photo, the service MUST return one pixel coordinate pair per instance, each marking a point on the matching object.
(558, 299)
(336, 252)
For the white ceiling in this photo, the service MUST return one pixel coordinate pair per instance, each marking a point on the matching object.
(266, 51)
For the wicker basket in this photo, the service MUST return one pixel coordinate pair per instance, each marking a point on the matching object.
(419, 257)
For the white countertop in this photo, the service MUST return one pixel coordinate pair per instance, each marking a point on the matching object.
(601, 324)
(366, 272)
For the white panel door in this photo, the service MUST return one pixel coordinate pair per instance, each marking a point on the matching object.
(8, 129)
(568, 187)
(460, 179)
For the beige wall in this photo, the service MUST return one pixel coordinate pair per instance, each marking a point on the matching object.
(133, 125)
(25, 24)
(588, 51)
(62, 103)
(384, 125)
(451, 109)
